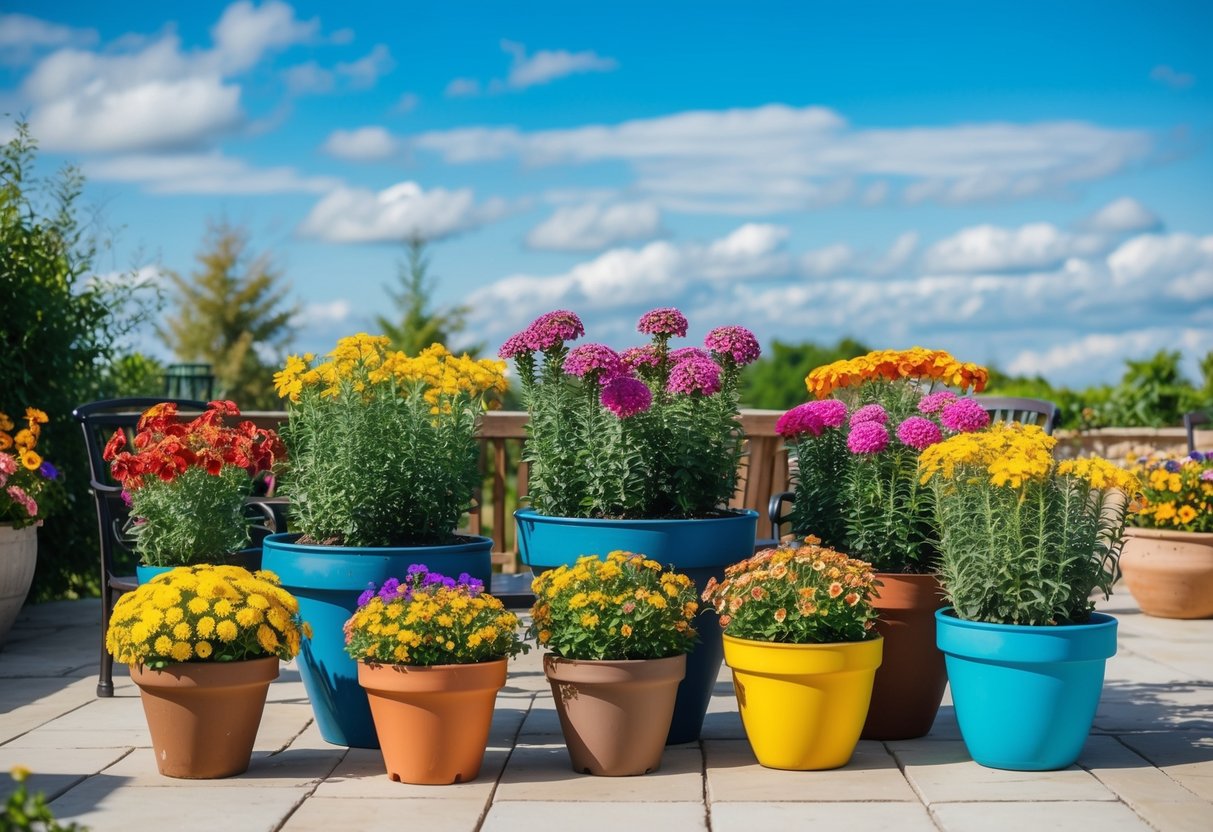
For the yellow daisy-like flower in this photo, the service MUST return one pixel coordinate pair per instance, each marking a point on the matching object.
(182, 631)
(204, 649)
(181, 651)
(198, 605)
(227, 630)
(248, 616)
(205, 626)
(163, 645)
(267, 638)
(30, 460)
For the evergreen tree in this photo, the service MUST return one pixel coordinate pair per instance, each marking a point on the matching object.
(418, 325)
(232, 314)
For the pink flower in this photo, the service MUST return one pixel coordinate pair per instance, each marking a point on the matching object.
(19, 496)
(870, 413)
(515, 346)
(800, 420)
(593, 360)
(626, 396)
(695, 375)
(1207, 475)
(8, 465)
(918, 432)
(735, 342)
(665, 321)
(641, 357)
(935, 401)
(553, 329)
(683, 353)
(964, 416)
(867, 438)
(832, 412)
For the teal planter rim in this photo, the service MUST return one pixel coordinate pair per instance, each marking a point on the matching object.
(289, 538)
(1098, 619)
(532, 515)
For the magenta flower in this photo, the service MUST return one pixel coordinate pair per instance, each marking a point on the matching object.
(935, 401)
(665, 321)
(683, 353)
(832, 412)
(695, 375)
(919, 432)
(553, 329)
(869, 413)
(736, 342)
(18, 495)
(515, 345)
(964, 416)
(1207, 475)
(800, 420)
(626, 396)
(8, 465)
(641, 357)
(593, 360)
(867, 438)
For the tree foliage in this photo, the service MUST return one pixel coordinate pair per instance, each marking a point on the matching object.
(776, 381)
(232, 313)
(417, 324)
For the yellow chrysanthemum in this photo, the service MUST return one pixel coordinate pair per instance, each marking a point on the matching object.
(181, 651)
(227, 630)
(204, 649)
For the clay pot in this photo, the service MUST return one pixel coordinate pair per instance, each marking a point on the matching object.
(1170, 573)
(203, 716)
(18, 557)
(615, 715)
(432, 722)
(911, 679)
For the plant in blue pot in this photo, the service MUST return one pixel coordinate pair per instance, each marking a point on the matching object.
(384, 460)
(637, 451)
(1024, 542)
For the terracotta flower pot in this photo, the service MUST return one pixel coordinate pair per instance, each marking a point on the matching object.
(433, 722)
(18, 556)
(911, 679)
(615, 715)
(203, 716)
(1170, 573)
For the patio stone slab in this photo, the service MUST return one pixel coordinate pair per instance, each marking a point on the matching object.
(1039, 817)
(291, 768)
(543, 772)
(54, 771)
(339, 813)
(735, 775)
(1186, 757)
(852, 817)
(596, 817)
(362, 774)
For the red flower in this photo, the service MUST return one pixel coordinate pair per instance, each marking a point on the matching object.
(117, 443)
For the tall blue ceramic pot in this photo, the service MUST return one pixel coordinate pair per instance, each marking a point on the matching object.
(1025, 697)
(700, 549)
(327, 580)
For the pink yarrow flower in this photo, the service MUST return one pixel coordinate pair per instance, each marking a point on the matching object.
(934, 402)
(553, 329)
(964, 416)
(919, 432)
(867, 438)
(695, 375)
(594, 360)
(832, 412)
(515, 346)
(626, 396)
(801, 420)
(870, 413)
(18, 495)
(663, 321)
(8, 465)
(735, 342)
(683, 353)
(641, 357)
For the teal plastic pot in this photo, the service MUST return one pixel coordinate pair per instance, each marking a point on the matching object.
(327, 580)
(700, 549)
(1025, 697)
(250, 559)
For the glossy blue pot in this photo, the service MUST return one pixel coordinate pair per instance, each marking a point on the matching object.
(250, 559)
(327, 580)
(701, 549)
(1025, 697)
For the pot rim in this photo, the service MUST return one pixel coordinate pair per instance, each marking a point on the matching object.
(555, 659)
(150, 673)
(1165, 534)
(948, 615)
(788, 645)
(533, 515)
(282, 540)
(432, 668)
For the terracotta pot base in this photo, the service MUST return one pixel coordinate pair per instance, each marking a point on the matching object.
(1170, 573)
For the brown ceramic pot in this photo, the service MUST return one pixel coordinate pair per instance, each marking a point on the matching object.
(615, 715)
(912, 677)
(203, 716)
(1170, 573)
(433, 722)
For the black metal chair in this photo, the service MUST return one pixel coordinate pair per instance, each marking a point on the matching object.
(1191, 420)
(1040, 412)
(100, 421)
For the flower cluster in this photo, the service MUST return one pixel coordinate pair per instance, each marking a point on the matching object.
(187, 481)
(1177, 492)
(915, 364)
(650, 432)
(800, 593)
(431, 619)
(1025, 539)
(23, 472)
(205, 614)
(624, 607)
(383, 445)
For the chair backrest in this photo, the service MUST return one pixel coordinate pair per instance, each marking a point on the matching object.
(1040, 412)
(1191, 420)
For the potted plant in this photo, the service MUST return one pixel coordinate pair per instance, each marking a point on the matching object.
(187, 483)
(432, 653)
(1168, 555)
(636, 451)
(384, 461)
(618, 630)
(1024, 541)
(203, 644)
(856, 449)
(24, 476)
(800, 637)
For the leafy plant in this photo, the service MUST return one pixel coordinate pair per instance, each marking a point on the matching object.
(775, 380)
(25, 812)
(1177, 491)
(24, 474)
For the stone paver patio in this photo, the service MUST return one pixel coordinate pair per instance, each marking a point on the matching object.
(1147, 765)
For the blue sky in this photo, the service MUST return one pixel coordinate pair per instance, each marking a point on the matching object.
(1020, 183)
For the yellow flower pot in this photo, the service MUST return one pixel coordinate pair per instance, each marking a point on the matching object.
(803, 705)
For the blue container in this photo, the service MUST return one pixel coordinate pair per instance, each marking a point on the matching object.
(250, 559)
(700, 549)
(1025, 697)
(327, 580)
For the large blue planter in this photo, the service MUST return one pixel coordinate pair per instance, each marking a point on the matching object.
(327, 580)
(1025, 697)
(700, 549)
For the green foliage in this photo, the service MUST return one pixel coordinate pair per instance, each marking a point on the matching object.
(417, 325)
(887, 513)
(193, 519)
(229, 312)
(776, 381)
(25, 812)
(133, 375)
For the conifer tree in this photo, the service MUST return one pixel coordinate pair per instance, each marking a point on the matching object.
(418, 325)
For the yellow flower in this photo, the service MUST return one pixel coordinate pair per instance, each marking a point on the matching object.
(198, 605)
(182, 631)
(203, 649)
(1186, 514)
(248, 616)
(31, 460)
(163, 645)
(205, 626)
(181, 651)
(226, 630)
(267, 638)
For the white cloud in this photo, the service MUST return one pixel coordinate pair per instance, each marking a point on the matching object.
(322, 314)
(1172, 78)
(1102, 355)
(311, 78)
(988, 248)
(364, 72)
(779, 158)
(308, 78)
(827, 261)
(898, 255)
(462, 88)
(22, 36)
(593, 226)
(406, 103)
(204, 173)
(1180, 265)
(366, 144)
(1122, 216)
(359, 215)
(545, 66)
(246, 32)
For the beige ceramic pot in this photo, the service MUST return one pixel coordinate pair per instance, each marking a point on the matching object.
(18, 557)
(1170, 573)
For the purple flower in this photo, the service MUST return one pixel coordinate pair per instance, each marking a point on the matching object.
(626, 396)
(553, 329)
(935, 401)
(366, 596)
(695, 375)
(832, 412)
(515, 345)
(390, 590)
(665, 321)
(919, 432)
(867, 438)
(683, 353)
(594, 360)
(964, 416)
(800, 420)
(641, 357)
(1172, 466)
(736, 342)
(1197, 456)
(869, 413)
(48, 471)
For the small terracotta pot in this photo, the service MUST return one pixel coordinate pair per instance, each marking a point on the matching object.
(911, 679)
(615, 715)
(203, 716)
(433, 722)
(1170, 573)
